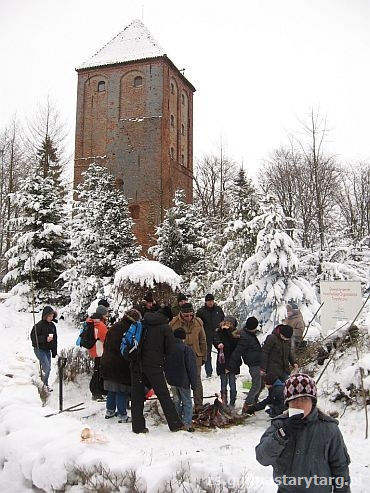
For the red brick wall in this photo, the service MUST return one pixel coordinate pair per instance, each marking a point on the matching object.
(127, 128)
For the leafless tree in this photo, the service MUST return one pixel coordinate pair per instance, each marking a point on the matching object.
(354, 200)
(324, 173)
(214, 176)
(12, 172)
(305, 181)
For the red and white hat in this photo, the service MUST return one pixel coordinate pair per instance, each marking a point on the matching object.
(299, 385)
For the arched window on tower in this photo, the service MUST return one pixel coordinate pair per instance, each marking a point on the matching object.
(172, 88)
(172, 121)
(182, 129)
(172, 153)
(101, 86)
(138, 81)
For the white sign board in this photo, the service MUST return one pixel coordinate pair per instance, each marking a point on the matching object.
(342, 301)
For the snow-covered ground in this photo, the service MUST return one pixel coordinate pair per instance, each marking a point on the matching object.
(42, 452)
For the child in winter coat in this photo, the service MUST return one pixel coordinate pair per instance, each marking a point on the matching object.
(274, 399)
(306, 446)
(181, 374)
(225, 340)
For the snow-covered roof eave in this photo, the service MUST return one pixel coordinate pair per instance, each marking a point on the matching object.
(85, 67)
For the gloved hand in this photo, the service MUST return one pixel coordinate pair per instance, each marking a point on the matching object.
(292, 426)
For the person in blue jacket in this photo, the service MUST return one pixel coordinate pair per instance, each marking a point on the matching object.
(45, 342)
(181, 374)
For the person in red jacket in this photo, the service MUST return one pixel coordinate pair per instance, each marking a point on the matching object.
(99, 318)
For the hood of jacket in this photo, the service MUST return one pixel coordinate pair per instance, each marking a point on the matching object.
(155, 318)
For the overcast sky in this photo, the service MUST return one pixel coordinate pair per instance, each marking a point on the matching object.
(258, 66)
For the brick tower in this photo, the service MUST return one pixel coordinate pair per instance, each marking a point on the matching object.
(135, 117)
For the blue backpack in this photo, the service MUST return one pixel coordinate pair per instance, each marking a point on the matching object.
(131, 342)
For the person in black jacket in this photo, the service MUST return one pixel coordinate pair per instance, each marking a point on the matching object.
(211, 315)
(181, 374)
(249, 348)
(225, 341)
(277, 356)
(274, 400)
(45, 342)
(157, 342)
(115, 370)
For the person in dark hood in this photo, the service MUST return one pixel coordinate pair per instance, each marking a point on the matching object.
(45, 342)
(147, 372)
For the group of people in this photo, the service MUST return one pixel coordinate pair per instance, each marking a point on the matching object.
(176, 344)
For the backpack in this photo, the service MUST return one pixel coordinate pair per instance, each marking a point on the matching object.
(131, 342)
(87, 338)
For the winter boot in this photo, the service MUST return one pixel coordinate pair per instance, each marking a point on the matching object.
(224, 397)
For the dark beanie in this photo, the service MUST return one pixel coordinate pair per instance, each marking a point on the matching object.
(179, 333)
(251, 323)
(286, 331)
(103, 303)
(149, 297)
(209, 297)
(187, 308)
(181, 297)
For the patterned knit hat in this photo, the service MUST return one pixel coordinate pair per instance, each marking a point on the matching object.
(299, 385)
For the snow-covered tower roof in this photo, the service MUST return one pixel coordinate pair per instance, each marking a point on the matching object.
(135, 42)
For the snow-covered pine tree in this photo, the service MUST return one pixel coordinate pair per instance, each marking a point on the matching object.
(39, 255)
(270, 276)
(239, 239)
(179, 243)
(102, 240)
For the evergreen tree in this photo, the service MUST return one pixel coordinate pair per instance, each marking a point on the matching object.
(39, 255)
(270, 276)
(239, 238)
(102, 240)
(179, 244)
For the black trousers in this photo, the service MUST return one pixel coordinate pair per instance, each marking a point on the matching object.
(153, 378)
